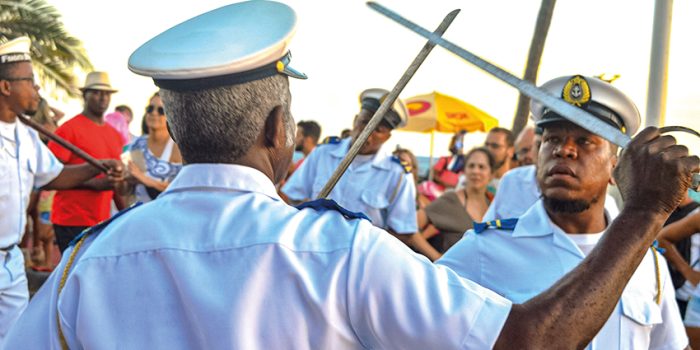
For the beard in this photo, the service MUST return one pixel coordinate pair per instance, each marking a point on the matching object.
(567, 206)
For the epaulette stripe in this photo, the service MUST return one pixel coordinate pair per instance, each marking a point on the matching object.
(100, 226)
(505, 224)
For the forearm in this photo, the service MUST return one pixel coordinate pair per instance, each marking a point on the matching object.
(420, 244)
(96, 184)
(570, 313)
(72, 176)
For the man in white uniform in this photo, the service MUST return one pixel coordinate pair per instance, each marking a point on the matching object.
(219, 261)
(530, 254)
(25, 164)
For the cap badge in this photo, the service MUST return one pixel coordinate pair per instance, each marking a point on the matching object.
(576, 91)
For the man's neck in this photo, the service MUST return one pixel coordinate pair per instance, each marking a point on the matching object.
(98, 119)
(591, 220)
(307, 150)
(7, 115)
(503, 169)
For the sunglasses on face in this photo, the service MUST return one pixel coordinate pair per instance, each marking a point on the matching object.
(152, 108)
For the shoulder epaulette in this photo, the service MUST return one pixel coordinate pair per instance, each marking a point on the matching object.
(329, 204)
(99, 227)
(505, 224)
(331, 140)
(404, 164)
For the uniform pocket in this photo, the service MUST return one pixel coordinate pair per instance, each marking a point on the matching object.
(374, 199)
(642, 312)
(639, 316)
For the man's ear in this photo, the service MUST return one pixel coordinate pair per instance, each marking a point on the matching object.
(274, 128)
(5, 88)
(613, 164)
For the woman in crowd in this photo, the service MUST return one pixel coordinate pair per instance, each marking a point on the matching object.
(153, 159)
(444, 221)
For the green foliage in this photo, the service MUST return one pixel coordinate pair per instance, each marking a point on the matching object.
(55, 53)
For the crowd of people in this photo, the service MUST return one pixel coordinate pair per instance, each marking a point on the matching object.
(207, 235)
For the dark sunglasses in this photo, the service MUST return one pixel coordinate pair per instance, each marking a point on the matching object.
(152, 108)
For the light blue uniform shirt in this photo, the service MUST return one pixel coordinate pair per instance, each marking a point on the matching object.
(518, 191)
(25, 163)
(379, 188)
(524, 262)
(219, 261)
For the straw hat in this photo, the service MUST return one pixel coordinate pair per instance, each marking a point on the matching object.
(97, 81)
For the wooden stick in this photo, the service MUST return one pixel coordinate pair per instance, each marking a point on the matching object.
(379, 115)
(59, 140)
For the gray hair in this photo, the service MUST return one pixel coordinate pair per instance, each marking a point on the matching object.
(219, 125)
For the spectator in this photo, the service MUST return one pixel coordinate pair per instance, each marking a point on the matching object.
(525, 149)
(681, 240)
(40, 204)
(446, 171)
(444, 221)
(118, 122)
(75, 210)
(155, 159)
(128, 116)
(308, 134)
(345, 133)
(500, 142)
(689, 250)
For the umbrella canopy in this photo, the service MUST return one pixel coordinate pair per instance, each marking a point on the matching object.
(439, 112)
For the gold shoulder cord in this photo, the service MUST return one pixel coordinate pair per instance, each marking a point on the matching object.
(64, 277)
(396, 189)
(658, 275)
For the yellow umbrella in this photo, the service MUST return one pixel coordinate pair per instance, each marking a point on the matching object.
(443, 113)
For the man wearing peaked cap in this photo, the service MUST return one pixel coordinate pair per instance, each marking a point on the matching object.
(558, 231)
(375, 183)
(77, 209)
(220, 261)
(25, 164)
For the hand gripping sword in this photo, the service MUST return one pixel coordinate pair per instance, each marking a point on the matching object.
(573, 114)
(386, 104)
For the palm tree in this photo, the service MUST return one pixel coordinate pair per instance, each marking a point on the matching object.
(55, 53)
(544, 18)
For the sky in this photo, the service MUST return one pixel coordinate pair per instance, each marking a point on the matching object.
(345, 47)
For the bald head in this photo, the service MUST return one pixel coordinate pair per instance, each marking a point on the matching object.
(525, 149)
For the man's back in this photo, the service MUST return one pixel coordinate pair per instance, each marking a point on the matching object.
(219, 261)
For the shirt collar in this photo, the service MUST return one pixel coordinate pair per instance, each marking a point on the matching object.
(536, 222)
(380, 159)
(222, 177)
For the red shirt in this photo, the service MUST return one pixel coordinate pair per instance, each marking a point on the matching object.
(84, 207)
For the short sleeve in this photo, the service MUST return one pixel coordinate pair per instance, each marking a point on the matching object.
(463, 257)
(401, 213)
(48, 166)
(399, 300)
